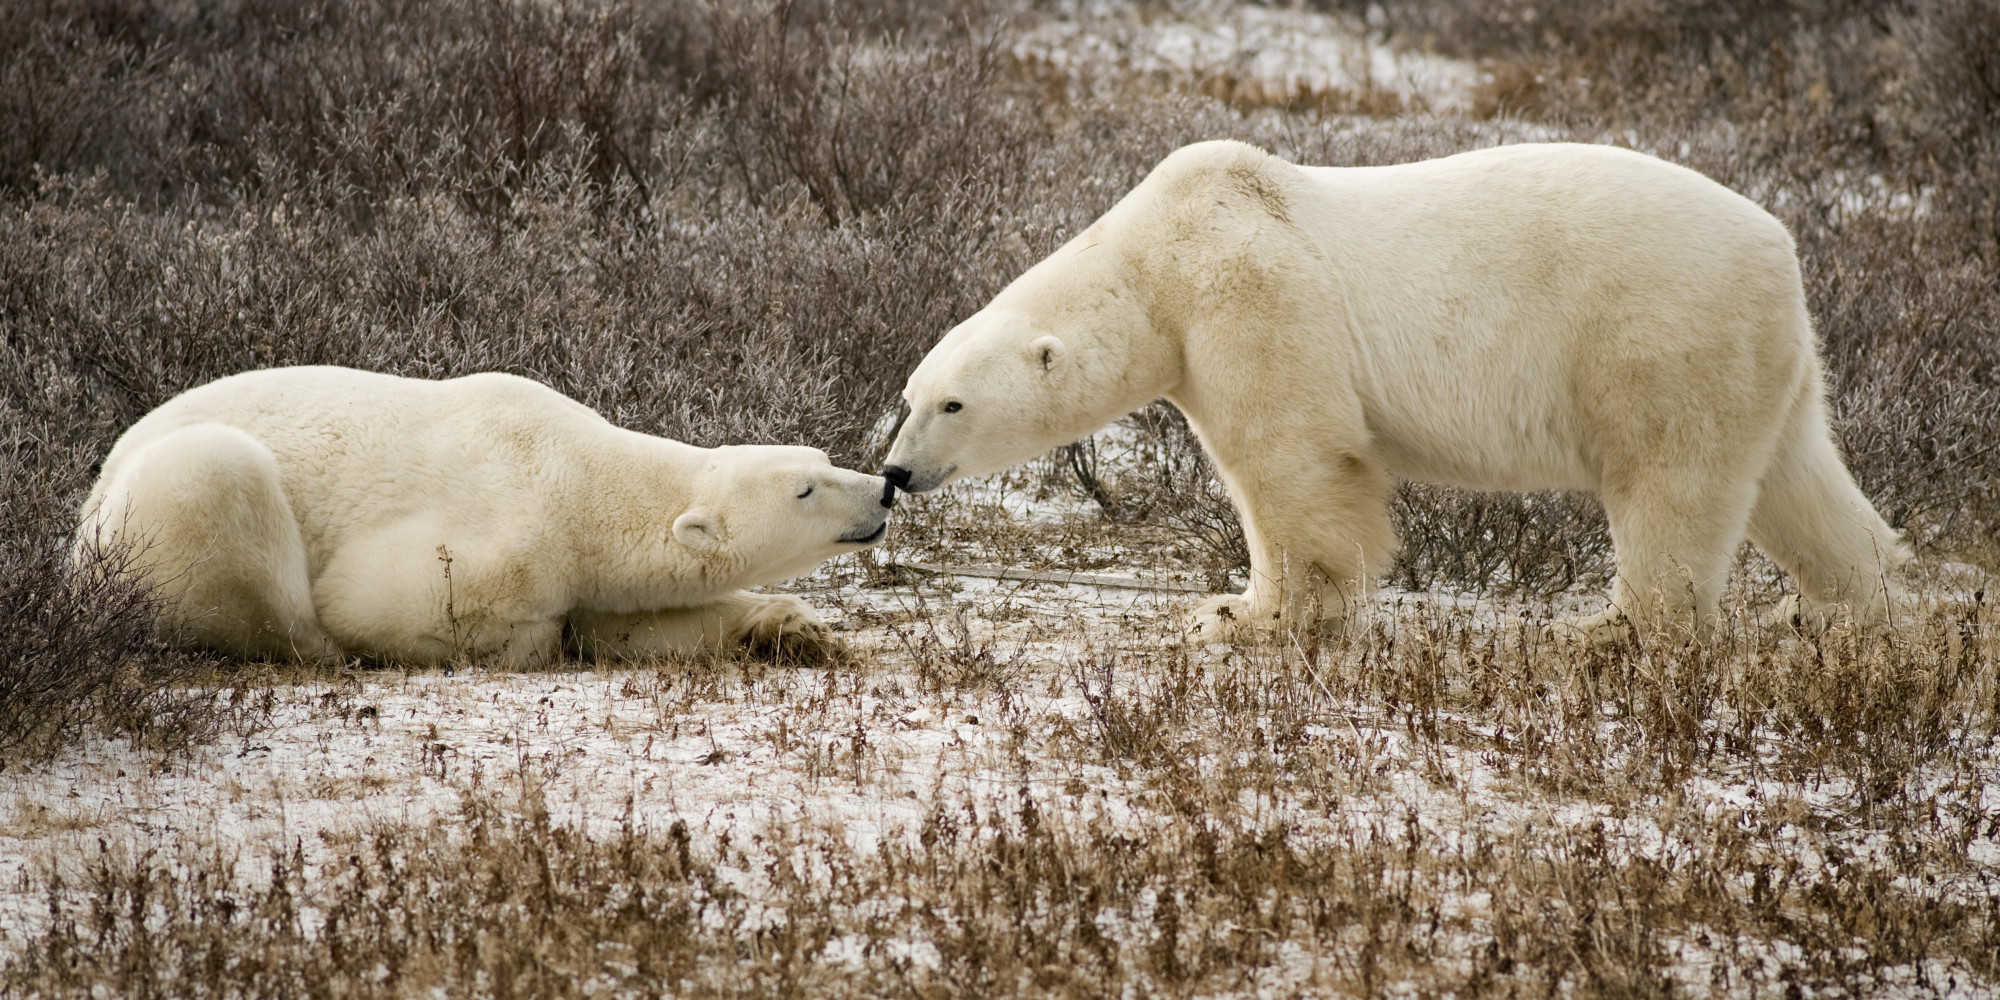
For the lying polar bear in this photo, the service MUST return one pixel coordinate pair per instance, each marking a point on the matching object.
(317, 512)
(1524, 317)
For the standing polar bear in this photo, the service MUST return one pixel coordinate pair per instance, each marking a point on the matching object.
(1523, 317)
(316, 512)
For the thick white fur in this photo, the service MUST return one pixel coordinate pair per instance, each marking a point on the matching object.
(1523, 317)
(317, 512)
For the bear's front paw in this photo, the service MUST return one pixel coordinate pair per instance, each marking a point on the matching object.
(1225, 618)
(1613, 628)
(1795, 614)
(786, 629)
(1603, 630)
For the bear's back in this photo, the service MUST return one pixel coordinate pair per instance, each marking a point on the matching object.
(356, 448)
(1572, 201)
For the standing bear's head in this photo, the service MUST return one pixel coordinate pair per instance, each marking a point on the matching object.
(763, 513)
(1104, 325)
(1062, 352)
(995, 391)
(1087, 335)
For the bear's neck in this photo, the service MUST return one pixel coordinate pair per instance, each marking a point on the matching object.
(1106, 312)
(632, 488)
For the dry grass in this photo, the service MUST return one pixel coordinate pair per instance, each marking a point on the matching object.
(745, 224)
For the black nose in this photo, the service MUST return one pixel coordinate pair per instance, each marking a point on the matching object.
(888, 494)
(897, 476)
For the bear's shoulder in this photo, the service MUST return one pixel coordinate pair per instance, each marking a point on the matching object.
(1213, 154)
(1197, 167)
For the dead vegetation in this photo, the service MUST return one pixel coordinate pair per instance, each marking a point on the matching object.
(733, 223)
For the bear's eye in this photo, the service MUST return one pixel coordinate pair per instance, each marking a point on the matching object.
(807, 493)
(954, 406)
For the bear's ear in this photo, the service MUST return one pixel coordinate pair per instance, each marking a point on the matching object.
(696, 529)
(1048, 351)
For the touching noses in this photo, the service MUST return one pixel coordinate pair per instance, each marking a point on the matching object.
(897, 476)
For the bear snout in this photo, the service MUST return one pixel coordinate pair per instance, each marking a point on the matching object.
(911, 481)
(866, 536)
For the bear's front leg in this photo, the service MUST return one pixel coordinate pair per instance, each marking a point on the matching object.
(1286, 602)
(1318, 531)
(786, 628)
(779, 626)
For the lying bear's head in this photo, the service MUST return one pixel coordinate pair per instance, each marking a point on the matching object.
(995, 391)
(773, 512)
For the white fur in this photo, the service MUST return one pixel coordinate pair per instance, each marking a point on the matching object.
(1534, 316)
(312, 512)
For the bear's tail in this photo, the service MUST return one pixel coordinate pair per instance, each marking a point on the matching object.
(1813, 521)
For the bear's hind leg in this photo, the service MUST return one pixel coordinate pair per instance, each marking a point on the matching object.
(1815, 523)
(209, 526)
(1674, 533)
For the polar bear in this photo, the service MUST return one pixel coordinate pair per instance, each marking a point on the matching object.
(1522, 317)
(318, 512)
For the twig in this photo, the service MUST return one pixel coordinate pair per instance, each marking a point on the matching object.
(1071, 579)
